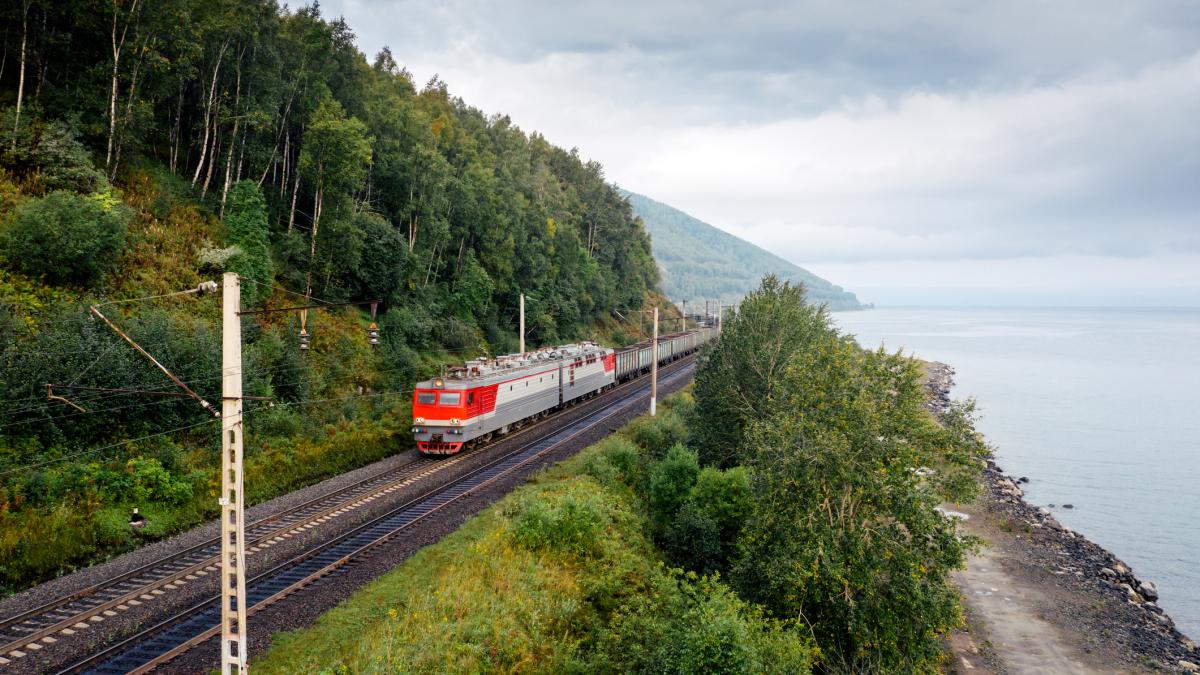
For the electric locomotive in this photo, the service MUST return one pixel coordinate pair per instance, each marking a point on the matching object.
(488, 397)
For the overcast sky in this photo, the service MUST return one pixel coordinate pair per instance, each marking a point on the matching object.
(914, 152)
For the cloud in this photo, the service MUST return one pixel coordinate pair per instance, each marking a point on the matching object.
(838, 134)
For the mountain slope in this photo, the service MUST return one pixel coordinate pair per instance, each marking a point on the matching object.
(699, 261)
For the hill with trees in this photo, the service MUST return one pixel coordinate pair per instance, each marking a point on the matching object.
(699, 261)
(145, 147)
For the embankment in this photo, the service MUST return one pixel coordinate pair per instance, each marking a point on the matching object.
(1095, 600)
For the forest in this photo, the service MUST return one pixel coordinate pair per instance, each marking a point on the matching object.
(148, 146)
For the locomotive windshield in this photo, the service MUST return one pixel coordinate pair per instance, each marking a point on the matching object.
(426, 397)
(451, 398)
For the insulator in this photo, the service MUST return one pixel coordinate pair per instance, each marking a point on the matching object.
(303, 340)
(373, 334)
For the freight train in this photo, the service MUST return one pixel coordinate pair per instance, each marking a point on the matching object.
(486, 398)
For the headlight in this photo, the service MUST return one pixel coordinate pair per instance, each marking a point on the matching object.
(419, 420)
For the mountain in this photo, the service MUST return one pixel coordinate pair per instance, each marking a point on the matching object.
(699, 261)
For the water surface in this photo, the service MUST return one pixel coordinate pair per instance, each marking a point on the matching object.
(1100, 408)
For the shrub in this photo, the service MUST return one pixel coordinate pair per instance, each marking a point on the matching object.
(64, 237)
(570, 521)
(671, 482)
(246, 228)
(692, 540)
(51, 150)
(658, 434)
(724, 496)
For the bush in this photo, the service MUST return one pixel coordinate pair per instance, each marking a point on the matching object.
(66, 238)
(50, 150)
(671, 482)
(246, 227)
(656, 435)
(715, 632)
(571, 521)
(693, 540)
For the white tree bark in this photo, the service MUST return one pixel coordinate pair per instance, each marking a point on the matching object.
(21, 81)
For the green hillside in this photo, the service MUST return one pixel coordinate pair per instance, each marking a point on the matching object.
(698, 261)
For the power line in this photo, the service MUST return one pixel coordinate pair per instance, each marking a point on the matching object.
(48, 462)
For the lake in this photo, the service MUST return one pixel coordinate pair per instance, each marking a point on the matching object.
(1100, 408)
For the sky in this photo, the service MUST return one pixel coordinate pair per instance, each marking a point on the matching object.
(917, 152)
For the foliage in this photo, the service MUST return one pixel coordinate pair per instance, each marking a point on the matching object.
(246, 228)
(740, 377)
(843, 532)
(64, 237)
(49, 153)
(513, 590)
(671, 482)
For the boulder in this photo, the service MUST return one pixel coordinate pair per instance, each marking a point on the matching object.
(1188, 667)
(1068, 506)
(1107, 573)
(1149, 590)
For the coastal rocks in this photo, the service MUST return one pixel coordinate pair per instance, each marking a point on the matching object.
(1083, 567)
(939, 379)
(1188, 667)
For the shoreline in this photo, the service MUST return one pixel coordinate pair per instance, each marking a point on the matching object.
(1101, 606)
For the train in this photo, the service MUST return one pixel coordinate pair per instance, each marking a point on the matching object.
(486, 398)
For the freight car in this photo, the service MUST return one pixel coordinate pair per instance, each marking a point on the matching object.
(490, 397)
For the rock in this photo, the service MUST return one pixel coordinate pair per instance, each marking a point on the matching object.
(1107, 573)
(1044, 511)
(1121, 569)
(1188, 644)
(1023, 479)
(1163, 620)
(1068, 506)
(1189, 667)
(1149, 590)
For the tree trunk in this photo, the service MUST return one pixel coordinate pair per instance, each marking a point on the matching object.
(208, 113)
(21, 81)
(117, 46)
(282, 132)
(137, 65)
(295, 192)
(176, 130)
(237, 118)
(216, 146)
(318, 198)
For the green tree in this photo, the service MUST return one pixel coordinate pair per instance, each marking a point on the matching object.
(64, 237)
(843, 534)
(742, 373)
(246, 227)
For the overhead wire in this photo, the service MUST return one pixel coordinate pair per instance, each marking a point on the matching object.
(90, 451)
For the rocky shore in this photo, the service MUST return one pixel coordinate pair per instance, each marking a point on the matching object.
(1096, 595)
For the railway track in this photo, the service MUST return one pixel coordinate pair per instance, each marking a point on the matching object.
(174, 636)
(40, 628)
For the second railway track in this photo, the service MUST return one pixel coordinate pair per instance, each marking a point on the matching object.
(24, 634)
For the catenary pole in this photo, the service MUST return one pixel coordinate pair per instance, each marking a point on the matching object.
(522, 323)
(654, 366)
(234, 647)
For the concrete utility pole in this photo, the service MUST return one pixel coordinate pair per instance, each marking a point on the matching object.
(654, 367)
(522, 323)
(234, 647)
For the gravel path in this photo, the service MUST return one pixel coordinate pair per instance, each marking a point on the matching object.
(1043, 599)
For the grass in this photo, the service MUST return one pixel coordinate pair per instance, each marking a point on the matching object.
(559, 576)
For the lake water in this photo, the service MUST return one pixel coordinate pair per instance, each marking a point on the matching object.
(1100, 408)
